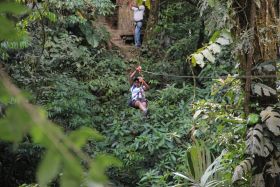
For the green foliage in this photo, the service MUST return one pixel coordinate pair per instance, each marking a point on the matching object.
(71, 103)
(63, 153)
(208, 53)
(177, 31)
(84, 86)
(8, 30)
(201, 171)
(11, 36)
(94, 36)
(218, 15)
(147, 3)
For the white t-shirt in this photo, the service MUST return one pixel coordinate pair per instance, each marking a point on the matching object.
(138, 13)
(137, 93)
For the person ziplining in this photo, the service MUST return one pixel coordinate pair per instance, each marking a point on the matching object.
(137, 89)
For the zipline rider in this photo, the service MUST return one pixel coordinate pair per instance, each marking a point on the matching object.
(138, 88)
(138, 15)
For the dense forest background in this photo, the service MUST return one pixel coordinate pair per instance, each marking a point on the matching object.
(212, 69)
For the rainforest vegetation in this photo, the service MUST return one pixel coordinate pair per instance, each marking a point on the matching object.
(212, 68)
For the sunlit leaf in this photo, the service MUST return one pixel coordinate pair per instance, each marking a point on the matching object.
(198, 58)
(223, 41)
(208, 55)
(253, 119)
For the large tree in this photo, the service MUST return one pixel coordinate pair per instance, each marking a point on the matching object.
(256, 27)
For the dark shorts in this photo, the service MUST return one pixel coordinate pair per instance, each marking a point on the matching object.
(132, 102)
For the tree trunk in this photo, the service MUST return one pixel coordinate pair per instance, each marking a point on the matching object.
(260, 23)
(152, 20)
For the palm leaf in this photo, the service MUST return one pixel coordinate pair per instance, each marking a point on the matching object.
(244, 167)
(271, 117)
(210, 171)
(201, 172)
(198, 159)
(257, 142)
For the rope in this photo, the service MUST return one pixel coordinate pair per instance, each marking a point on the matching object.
(210, 77)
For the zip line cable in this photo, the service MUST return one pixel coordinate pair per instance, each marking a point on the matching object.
(210, 77)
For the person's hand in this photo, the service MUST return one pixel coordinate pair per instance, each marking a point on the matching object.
(138, 69)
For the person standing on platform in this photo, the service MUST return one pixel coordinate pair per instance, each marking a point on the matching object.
(138, 15)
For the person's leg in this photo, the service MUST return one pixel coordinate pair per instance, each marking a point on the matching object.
(145, 105)
(140, 105)
(137, 36)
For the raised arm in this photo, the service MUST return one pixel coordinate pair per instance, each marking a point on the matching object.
(132, 5)
(131, 77)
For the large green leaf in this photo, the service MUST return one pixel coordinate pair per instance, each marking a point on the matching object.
(7, 29)
(209, 52)
(49, 167)
(68, 180)
(258, 143)
(271, 117)
(200, 171)
(11, 7)
(8, 32)
(99, 166)
(72, 174)
(15, 125)
(82, 135)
